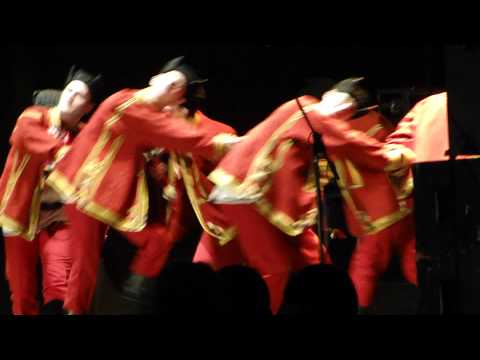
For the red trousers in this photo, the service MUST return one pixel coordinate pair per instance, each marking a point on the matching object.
(373, 254)
(52, 247)
(261, 246)
(154, 244)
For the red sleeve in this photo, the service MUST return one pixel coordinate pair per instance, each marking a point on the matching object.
(405, 133)
(215, 126)
(162, 130)
(342, 140)
(31, 135)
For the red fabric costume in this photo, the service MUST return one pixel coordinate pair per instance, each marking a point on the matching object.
(30, 232)
(377, 214)
(103, 178)
(194, 170)
(269, 175)
(424, 130)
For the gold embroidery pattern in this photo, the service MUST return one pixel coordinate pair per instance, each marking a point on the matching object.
(35, 211)
(369, 226)
(13, 179)
(256, 182)
(54, 118)
(224, 236)
(220, 142)
(95, 171)
(33, 114)
(283, 221)
(355, 176)
(399, 157)
(91, 174)
(11, 226)
(374, 130)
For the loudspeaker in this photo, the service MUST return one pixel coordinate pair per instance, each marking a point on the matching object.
(447, 214)
(463, 81)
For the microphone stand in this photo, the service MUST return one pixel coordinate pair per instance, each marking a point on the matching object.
(319, 152)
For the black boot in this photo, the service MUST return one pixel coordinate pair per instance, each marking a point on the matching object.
(53, 308)
(139, 295)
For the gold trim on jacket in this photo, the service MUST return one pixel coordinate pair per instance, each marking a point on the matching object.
(90, 175)
(189, 173)
(258, 180)
(368, 225)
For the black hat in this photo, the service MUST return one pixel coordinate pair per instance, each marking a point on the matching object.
(358, 89)
(48, 97)
(196, 93)
(94, 82)
(179, 64)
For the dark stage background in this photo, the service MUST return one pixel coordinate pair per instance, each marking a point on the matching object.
(247, 80)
